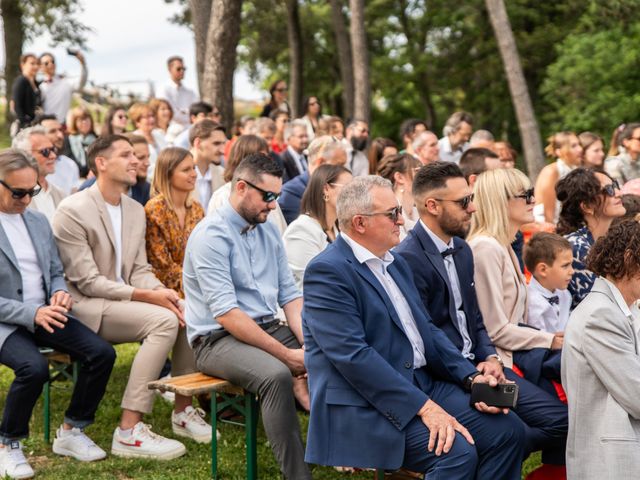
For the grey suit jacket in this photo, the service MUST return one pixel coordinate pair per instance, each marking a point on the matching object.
(14, 312)
(601, 376)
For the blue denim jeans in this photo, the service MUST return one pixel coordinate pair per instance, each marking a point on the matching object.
(20, 353)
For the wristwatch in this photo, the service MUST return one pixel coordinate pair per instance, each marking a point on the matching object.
(469, 380)
(497, 357)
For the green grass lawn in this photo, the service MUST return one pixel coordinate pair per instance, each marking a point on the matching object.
(194, 465)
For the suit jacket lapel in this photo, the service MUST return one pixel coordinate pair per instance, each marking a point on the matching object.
(104, 215)
(435, 257)
(5, 246)
(365, 272)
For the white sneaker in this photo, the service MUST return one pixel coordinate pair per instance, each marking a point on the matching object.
(74, 443)
(191, 424)
(144, 443)
(12, 462)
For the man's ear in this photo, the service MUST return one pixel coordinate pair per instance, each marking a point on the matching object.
(358, 224)
(472, 179)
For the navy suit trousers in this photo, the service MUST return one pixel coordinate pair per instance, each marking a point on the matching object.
(498, 450)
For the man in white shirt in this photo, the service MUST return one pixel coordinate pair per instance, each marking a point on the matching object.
(357, 137)
(36, 311)
(425, 146)
(457, 132)
(67, 174)
(57, 90)
(179, 96)
(207, 139)
(34, 142)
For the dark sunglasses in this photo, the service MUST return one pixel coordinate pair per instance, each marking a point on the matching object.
(45, 152)
(610, 190)
(19, 193)
(181, 69)
(392, 214)
(463, 202)
(528, 196)
(267, 196)
(281, 90)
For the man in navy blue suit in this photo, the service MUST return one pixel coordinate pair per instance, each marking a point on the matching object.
(442, 266)
(387, 386)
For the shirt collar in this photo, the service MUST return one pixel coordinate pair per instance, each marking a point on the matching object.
(440, 245)
(206, 176)
(534, 284)
(617, 296)
(363, 255)
(234, 218)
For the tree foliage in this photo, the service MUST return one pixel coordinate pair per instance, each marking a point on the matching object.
(57, 17)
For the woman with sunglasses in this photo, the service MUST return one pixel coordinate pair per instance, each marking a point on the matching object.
(278, 92)
(591, 200)
(399, 170)
(316, 227)
(504, 203)
(566, 149)
(244, 146)
(115, 122)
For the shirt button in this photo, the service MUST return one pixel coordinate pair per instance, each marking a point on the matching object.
(407, 364)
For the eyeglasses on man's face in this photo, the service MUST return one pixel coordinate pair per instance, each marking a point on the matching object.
(394, 214)
(19, 193)
(45, 152)
(267, 196)
(464, 202)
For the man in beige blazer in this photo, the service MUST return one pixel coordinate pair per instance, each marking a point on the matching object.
(36, 144)
(100, 233)
(207, 139)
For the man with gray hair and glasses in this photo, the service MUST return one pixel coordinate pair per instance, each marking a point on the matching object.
(35, 142)
(388, 388)
(35, 311)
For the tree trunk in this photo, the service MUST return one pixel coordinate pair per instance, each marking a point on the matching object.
(13, 40)
(525, 114)
(344, 56)
(220, 60)
(294, 37)
(362, 88)
(200, 15)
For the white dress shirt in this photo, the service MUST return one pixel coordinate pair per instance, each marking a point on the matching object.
(454, 283)
(544, 315)
(66, 176)
(22, 246)
(180, 98)
(303, 239)
(447, 154)
(203, 185)
(378, 267)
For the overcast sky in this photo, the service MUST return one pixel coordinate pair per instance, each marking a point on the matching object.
(131, 41)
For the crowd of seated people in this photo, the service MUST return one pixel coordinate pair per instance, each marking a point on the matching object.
(324, 271)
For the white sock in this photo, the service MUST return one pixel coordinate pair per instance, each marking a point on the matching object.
(126, 433)
(63, 433)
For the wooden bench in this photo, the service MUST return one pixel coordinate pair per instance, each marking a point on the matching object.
(58, 370)
(234, 397)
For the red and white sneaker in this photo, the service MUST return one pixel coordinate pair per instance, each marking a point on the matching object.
(143, 443)
(191, 424)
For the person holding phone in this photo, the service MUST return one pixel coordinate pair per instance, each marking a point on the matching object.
(381, 374)
(443, 271)
(56, 89)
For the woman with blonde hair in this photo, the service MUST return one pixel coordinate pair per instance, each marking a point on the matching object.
(143, 119)
(81, 135)
(400, 169)
(566, 149)
(172, 214)
(504, 202)
(166, 130)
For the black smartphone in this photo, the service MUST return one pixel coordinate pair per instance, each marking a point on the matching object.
(72, 51)
(504, 395)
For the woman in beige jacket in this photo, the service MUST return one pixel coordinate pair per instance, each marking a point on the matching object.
(504, 201)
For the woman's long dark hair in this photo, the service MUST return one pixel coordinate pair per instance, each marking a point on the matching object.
(578, 188)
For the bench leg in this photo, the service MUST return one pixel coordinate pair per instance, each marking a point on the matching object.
(251, 427)
(46, 412)
(379, 474)
(214, 437)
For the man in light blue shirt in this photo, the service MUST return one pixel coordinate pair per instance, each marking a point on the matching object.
(235, 275)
